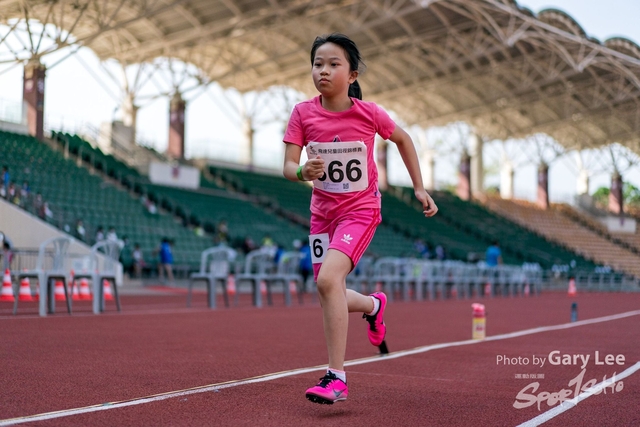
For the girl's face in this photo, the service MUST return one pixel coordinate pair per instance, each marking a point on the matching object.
(331, 71)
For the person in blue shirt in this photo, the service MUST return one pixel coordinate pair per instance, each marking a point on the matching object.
(5, 177)
(306, 267)
(494, 255)
(166, 260)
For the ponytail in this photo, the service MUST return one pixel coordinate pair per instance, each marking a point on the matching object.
(355, 91)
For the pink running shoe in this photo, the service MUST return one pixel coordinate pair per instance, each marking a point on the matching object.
(377, 329)
(329, 390)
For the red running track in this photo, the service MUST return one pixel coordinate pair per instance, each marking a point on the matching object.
(156, 345)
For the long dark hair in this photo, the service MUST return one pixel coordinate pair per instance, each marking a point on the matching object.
(353, 55)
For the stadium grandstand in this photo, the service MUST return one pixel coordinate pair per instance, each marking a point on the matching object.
(512, 75)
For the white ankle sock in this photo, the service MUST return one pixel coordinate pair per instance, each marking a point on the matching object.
(376, 306)
(340, 374)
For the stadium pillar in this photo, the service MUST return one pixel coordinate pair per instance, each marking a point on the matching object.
(477, 164)
(381, 160)
(582, 186)
(543, 186)
(615, 195)
(427, 161)
(506, 179)
(33, 96)
(246, 152)
(130, 115)
(428, 167)
(177, 108)
(464, 177)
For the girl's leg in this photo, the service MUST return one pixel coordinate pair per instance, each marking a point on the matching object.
(359, 303)
(332, 289)
(337, 302)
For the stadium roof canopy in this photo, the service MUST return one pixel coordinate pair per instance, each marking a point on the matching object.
(499, 67)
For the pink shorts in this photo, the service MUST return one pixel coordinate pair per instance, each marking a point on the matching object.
(350, 233)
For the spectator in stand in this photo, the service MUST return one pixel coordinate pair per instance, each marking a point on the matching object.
(37, 204)
(12, 194)
(166, 260)
(248, 245)
(222, 232)
(267, 241)
(149, 205)
(493, 256)
(422, 249)
(25, 191)
(278, 251)
(152, 208)
(112, 236)
(99, 234)
(138, 261)
(6, 251)
(81, 233)
(48, 214)
(5, 177)
(126, 255)
(441, 255)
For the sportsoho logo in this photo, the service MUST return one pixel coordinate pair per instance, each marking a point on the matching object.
(531, 393)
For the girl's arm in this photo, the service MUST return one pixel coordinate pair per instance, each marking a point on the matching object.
(410, 159)
(311, 170)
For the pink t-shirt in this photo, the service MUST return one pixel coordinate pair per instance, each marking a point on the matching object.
(310, 122)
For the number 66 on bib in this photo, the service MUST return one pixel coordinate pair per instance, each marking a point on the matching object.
(345, 166)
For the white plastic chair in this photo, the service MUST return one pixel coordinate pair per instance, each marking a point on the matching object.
(214, 268)
(361, 277)
(45, 273)
(99, 273)
(387, 272)
(288, 271)
(257, 265)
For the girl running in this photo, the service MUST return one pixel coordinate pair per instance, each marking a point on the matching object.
(338, 130)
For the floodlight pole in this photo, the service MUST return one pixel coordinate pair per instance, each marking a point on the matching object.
(464, 176)
(476, 144)
(506, 178)
(177, 108)
(616, 202)
(33, 85)
(543, 186)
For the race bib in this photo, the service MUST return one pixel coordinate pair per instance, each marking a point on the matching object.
(319, 244)
(345, 166)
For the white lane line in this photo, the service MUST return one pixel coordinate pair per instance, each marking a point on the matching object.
(568, 404)
(289, 373)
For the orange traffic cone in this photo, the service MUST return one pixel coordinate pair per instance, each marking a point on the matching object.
(59, 291)
(73, 287)
(108, 296)
(572, 291)
(84, 292)
(454, 291)
(527, 290)
(263, 287)
(378, 286)
(75, 291)
(487, 289)
(7, 288)
(25, 291)
(293, 288)
(231, 285)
